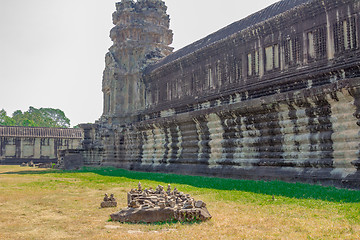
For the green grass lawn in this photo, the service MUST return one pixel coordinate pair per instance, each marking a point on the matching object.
(65, 205)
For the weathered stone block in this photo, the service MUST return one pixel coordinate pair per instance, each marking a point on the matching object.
(108, 204)
(146, 215)
(150, 206)
(72, 161)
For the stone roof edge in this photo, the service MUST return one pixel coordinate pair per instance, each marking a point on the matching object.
(19, 131)
(160, 64)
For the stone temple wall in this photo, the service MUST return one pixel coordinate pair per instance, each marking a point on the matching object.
(273, 96)
(40, 145)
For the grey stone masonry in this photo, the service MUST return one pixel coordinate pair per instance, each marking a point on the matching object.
(275, 95)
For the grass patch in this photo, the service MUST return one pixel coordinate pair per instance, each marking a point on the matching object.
(276, 188)
(55, 204)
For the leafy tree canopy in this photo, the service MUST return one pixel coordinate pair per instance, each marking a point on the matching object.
(43, 117)
(6, 120)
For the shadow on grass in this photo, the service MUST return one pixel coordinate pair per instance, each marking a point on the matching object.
(172, 222)
(277, 188)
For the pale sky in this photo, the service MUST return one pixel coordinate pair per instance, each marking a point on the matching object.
(52, 52)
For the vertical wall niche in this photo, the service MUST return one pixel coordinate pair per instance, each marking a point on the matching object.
(238, 69)
(320, 42)
(157, 95)
(317, 48)
(292, 51)
(209, 82)
(310, 46)
(107, 101)
(269, 59)
(168, 91)
(249, 64)
(253, 63)
(345, 35)
(256, 62)
(272, 57)
(175, 89)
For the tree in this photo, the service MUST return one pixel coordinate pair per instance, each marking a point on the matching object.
(56, 117)
(5, 120)
(23, 119)
(43, 117)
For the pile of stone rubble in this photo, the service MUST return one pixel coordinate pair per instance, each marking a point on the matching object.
(149, 206)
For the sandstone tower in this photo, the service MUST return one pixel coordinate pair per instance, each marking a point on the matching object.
(141, 36)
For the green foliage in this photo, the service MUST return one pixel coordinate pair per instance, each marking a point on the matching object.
(6, 120)
(43, 117)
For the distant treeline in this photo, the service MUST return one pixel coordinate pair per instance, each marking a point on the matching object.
(43, 117)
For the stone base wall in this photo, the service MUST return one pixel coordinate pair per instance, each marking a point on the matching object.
(89, 153)
(310, 135)
(77, 158)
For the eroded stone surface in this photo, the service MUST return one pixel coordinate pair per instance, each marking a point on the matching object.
(158, 205)
(141, 36)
